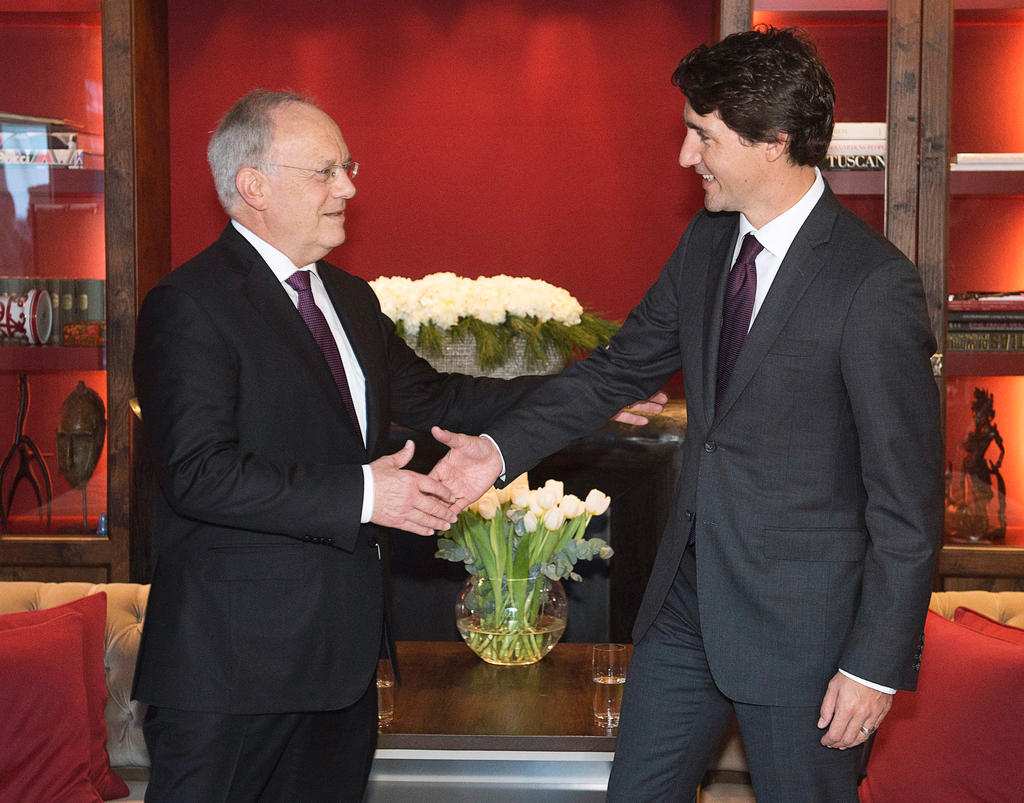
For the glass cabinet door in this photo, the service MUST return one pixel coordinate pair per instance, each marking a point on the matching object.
(53, 383)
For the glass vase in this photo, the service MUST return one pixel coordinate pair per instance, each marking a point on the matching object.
(511, 623)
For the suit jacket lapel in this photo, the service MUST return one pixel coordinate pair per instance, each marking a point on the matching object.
(798, 269)
(719, 264)
(263, 291)
(354, 325)
(270, 301)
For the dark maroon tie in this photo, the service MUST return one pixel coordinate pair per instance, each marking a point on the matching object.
(321, 331)
(739, 303)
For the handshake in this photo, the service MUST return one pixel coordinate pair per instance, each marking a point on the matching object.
(422, 504)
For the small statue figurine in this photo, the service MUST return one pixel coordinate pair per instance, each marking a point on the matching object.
(81, 430)
(972, 520)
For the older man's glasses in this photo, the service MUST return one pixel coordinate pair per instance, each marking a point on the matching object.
(329, 173)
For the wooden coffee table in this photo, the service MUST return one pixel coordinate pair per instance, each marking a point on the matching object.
(463, 728)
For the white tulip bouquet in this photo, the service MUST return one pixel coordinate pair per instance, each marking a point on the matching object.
(511, 539)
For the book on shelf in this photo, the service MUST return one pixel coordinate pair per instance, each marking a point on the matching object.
(854, 161)
(984, 326)
(979, 302)
(988, 161)
(1008, 158)
(857, 146)
(985, 341)
(63, 157)
(865, 131)
(39, 140)
(978, 316)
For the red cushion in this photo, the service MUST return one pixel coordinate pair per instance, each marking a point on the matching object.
(983, 624)
(43, 756)
(93, 610)
(958, 738)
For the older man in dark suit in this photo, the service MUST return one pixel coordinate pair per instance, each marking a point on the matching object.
(792, 581)
(267, 380)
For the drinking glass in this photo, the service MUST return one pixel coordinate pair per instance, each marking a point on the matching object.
(609, 675)
(385, 693)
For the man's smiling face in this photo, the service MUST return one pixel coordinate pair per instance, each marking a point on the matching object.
(733, 171)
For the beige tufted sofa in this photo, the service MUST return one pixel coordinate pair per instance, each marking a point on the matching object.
(727, 780)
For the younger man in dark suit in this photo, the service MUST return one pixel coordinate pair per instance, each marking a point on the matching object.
(792, 581)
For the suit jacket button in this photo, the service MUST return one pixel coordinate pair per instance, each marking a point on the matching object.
(689, 515)
(710, 446)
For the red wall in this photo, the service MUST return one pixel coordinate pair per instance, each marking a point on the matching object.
(529, 138)
(986, 232)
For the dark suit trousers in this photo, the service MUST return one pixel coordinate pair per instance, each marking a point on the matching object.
(673, 716)
(313, 757)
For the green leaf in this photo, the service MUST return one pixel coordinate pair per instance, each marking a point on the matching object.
(430, 339)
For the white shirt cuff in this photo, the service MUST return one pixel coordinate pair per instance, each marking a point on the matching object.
(367, 512)
(868, 683)
(501, 476)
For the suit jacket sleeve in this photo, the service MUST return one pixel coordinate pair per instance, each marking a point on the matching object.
(886, 347)
(638, 361)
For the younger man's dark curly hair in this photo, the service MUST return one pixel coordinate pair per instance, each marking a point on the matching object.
(763, 83)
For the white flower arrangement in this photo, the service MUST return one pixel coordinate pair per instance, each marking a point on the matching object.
(444, 307)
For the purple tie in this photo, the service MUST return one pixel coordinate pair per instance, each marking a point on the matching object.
(321, 331)
(739, 302)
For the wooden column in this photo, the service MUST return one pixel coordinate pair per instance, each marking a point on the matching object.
(901, 151)
(933, 214)
(734, 16)
(137, 177)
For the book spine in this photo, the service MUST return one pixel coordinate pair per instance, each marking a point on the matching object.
(985, 341)
(985, 306)
(985, 315)
(857, 146)
(849, 161)
(859, 131)
(998, 158)
(984, 326)
(67, 303)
